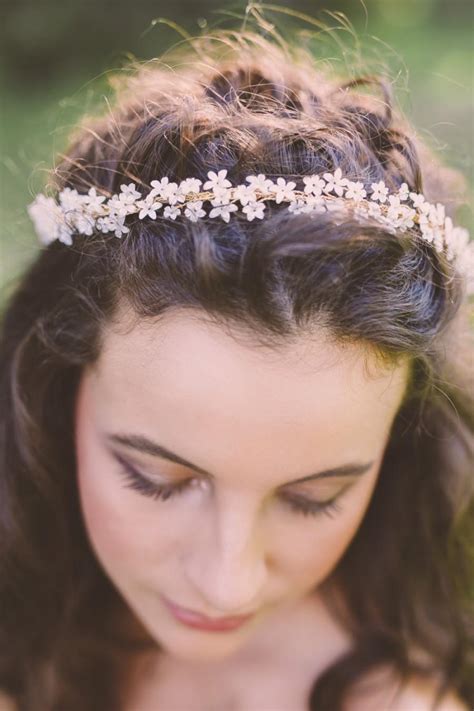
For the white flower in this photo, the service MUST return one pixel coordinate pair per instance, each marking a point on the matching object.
(46, 216)
(217, 181)
(129, 192)
(94, 201)
(148, 207)
(70, 199)
(121, 205)
(437, 214)
(438, 239)
(159, 186)
(431, 220)
(309, 203)
(406, 217)
(403, 192)
(374, 209)
(379, 191)
(457, 241)
(194, 210)
(172, 194)
(427, 231)
(313, 184)
(103, 224)
(298, 206)
(316, 203)
(424, 208)
(171, 212)
(84, 224)
(260, 182)
(64, 235)
(221, 196)
(431, 216)
(418, 199)
(224, 211)
(355, 191)
(245, 194)
(120, 228)
(335, 182)
(464, 259)
(393, 211)
(112, 223)
(284, 190)
(254, 209)
(190, 185)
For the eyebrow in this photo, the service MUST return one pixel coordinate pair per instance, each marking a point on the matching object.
(146, 446)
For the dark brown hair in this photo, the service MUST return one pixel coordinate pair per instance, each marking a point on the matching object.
(406, 579)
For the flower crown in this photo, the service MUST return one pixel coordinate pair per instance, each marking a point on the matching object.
(77, 213)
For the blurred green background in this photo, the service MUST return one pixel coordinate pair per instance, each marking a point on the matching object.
(55, 55)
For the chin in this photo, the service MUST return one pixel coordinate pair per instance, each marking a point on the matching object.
(202, 653)
(195, 646)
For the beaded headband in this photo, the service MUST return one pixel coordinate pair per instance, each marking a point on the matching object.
(77, 213)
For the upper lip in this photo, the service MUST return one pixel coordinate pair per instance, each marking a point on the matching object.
(207, 617)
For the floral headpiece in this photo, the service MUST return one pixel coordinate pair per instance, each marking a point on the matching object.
(77, 213)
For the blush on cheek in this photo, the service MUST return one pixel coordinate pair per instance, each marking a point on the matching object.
(336, 536)
(110, 518)
(106, 506)
(326, 555)
(101, 518)
(131, 535)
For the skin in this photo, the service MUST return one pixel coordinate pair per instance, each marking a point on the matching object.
(255, 420)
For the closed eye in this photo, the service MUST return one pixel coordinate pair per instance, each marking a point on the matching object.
(139, 482)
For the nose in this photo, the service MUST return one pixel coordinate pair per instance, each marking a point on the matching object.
(226, 563)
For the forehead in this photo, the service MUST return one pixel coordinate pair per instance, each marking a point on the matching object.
(184, 378)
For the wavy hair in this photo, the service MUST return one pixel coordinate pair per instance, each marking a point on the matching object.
(405, 581)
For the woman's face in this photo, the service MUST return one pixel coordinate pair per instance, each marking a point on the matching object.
(254, 514)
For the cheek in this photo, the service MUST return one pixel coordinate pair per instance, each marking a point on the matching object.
(316, 546)
(125, 529)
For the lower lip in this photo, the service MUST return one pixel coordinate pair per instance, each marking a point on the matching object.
(192, 620)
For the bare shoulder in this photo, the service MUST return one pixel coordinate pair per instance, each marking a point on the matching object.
(419, 695)
(381, 692)
(6, 702)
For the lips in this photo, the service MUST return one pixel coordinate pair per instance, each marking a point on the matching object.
(194, 619)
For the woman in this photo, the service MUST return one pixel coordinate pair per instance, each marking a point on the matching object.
(236, 423)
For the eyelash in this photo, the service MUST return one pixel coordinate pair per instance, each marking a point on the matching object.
(139, 483)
